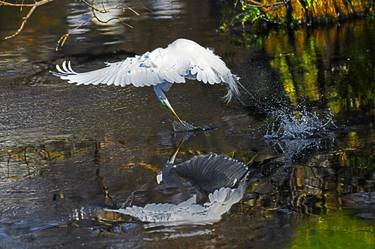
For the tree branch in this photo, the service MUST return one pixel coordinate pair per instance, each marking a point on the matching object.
(264, 5)
(90, 3)
(5, 3)
(28, 15)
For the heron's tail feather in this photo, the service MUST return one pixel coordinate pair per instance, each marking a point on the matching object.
(65, 70)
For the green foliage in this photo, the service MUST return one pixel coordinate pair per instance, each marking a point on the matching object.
(302, 12)
(248, 14)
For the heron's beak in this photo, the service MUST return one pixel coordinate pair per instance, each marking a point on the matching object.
(176, 116)
(166, 103)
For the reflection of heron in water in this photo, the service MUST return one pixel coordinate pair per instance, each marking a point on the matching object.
(219, 181)
(182, 59)
(205, 173)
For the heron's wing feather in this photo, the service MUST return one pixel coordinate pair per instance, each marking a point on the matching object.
(181, 59)
(138, 71)
(127, 72)
(204, 65)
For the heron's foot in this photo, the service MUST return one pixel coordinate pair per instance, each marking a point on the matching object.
(184, 126)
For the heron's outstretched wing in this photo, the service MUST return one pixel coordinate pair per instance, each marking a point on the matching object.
(138, 71)
(212, 171)
(181, 59)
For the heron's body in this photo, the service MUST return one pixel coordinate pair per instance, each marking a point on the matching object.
(182, 59)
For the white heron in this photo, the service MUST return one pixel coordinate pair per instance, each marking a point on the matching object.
(182, 59)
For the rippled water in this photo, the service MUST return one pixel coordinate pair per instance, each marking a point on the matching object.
(67, 152)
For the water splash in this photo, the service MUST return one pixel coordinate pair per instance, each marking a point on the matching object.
(293, 149)
(299, 125)
(294, 133)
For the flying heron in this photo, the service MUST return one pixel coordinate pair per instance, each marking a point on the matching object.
(182, 59)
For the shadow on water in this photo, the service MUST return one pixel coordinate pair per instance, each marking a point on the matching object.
(67, 152)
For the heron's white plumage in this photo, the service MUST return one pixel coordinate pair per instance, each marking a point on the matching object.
(181, 59)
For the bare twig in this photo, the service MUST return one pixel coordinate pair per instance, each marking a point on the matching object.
(28, 15)
(259, 4)
(132, 10)
(5, 3)
(62, 40)
(95, 16)
(92, 5)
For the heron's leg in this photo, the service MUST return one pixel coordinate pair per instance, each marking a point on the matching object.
(180, 125)
(164, 101)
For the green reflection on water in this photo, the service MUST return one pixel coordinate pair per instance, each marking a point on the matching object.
(326, 64)
(336, 230)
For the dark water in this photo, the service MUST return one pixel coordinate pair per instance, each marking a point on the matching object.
(67, 152)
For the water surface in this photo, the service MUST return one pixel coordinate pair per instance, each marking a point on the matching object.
(67, 152)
